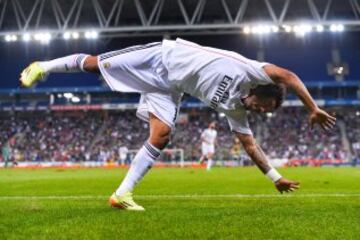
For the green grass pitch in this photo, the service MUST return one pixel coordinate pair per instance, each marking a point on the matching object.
(226, 203)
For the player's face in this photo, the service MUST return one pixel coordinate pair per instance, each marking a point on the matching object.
(261, 105)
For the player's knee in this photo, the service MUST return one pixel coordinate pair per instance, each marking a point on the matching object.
(160, 140)
(91, 64)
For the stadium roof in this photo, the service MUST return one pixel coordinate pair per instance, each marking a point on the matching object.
(142, 17)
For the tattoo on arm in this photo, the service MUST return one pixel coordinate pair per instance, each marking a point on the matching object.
(255, 152)
(259, 158)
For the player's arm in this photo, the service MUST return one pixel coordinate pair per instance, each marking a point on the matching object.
(258, 156)
(292, 81)
(203, 138)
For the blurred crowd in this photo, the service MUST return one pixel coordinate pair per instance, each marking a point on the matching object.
(287, 134)
(114, 136)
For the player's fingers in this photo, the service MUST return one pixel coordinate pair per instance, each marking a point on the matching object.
(332, 120)
(329, 125)
(332, 124)
(294, 186)
(324, 127)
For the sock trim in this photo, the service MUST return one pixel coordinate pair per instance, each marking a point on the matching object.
(151, 150)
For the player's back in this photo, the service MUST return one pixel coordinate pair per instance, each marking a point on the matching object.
(200, 71)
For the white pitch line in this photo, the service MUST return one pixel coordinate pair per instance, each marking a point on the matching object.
(186, 196)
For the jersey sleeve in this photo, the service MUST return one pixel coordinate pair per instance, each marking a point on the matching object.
(258, 73)
(238, 122)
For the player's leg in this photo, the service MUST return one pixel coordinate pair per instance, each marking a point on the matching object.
(202, 159)
(203, 154)
(141, 164)
(210, 156)
(69, 64)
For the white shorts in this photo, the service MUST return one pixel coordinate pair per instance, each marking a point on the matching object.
(140, 69)
(207, 148)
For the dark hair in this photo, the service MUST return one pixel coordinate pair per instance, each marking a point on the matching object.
(275, 91)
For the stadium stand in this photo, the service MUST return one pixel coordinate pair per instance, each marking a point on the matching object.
(97, 135)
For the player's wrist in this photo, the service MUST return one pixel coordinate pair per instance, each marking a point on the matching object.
(273, 175)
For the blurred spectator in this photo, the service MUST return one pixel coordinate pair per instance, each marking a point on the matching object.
(103, 135)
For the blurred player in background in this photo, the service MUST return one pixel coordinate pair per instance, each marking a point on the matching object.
(163, 71)
(208, 142)
(235, 151)
(123, 154)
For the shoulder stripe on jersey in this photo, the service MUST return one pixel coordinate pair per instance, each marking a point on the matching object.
(213, 51)
(126, 50)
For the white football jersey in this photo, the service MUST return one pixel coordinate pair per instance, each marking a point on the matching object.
(209, 135)
(217, 77)
(123, 151)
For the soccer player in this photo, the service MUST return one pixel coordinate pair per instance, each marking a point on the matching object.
(161, 72)
(208, 140)
(123, 154)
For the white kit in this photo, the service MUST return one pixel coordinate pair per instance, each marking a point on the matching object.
(208, 138)
(162, 72)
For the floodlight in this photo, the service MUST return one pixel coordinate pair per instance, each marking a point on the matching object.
(287, 28)
(340, 27)
(38, 36)
(255, 29)
(66, 35)
(275, 29)
(46, 37)
(319, 28)
(260, 29)
(91, 34)
(8, 38)
(247, 30)
(333, 27)
(26, 37)
(14, 38)
(75, 35)
(264, 29)
(94, 34)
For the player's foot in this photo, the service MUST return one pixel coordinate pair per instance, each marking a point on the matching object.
(125, 202)
(32, 74)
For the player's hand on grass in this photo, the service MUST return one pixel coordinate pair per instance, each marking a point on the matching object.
(325, 120)
(285, 185)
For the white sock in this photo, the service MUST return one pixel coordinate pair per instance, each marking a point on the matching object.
(72, 63)
(141, 164)
(209, 164)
